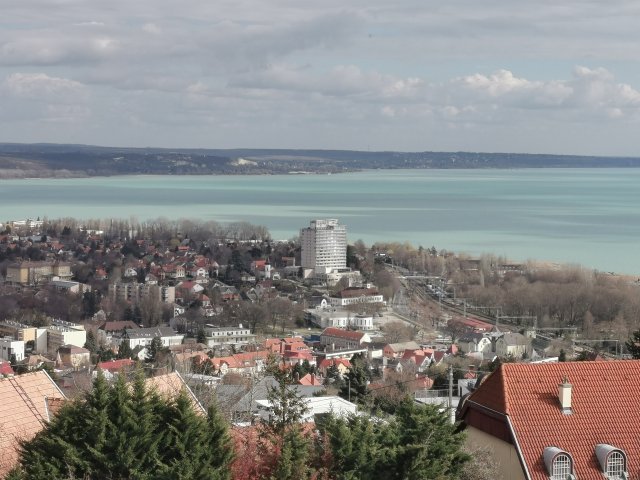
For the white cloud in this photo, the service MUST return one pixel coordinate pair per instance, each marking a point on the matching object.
(39, 85)
(412, 74)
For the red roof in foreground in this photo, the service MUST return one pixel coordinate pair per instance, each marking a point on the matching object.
(604, 410)
(24, 410)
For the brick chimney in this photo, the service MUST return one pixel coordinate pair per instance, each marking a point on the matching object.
(564, 395)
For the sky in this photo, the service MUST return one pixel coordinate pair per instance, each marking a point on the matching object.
(412, 75)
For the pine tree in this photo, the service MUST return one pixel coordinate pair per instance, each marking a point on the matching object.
(355, 388)
(123, 432)
(202, 336)
(154, 348)
(91, 344)
(219, 442)
(562, 357)
(633, 345)
(124, 350)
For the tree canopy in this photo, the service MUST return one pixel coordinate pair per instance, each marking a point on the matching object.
(125, 431)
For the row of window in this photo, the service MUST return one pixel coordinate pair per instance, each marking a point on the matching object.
(612, 460)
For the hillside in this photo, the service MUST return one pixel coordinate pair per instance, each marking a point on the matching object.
(53, 160)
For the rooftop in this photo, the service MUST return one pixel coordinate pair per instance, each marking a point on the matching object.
(604, 410)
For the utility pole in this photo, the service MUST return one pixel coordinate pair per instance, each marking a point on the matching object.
(451, 394)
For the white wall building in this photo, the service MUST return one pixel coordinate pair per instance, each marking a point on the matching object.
(324, 246)
(10, 346)
(59, 335)
(144, 336)
(331, 317)
(228, 336)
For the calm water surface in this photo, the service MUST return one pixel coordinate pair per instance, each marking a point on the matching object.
(586, 216)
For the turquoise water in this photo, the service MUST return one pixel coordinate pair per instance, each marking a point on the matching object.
(585, 216)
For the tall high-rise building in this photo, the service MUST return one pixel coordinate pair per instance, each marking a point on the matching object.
(324, 245)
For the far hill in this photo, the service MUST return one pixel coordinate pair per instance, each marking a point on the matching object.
(53, 160)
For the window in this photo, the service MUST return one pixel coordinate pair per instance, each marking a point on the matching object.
(615, 466)
(613, 461)
(561, 467)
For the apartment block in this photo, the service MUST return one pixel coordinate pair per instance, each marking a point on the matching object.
(324, 246)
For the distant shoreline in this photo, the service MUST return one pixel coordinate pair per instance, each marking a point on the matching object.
(56, 175)
(79, 161)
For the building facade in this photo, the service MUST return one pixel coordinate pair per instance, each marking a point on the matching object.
(135, 292)
(9, 346)
(324, 246)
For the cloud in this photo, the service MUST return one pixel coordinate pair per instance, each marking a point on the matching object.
(41, 85)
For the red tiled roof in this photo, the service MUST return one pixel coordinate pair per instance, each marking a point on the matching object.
(340, 333)
(328, 362)
(5, 368)
(604, 410)
(310, 379)
(23, 412)
(115, 365)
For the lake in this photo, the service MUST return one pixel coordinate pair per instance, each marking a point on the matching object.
(585, 216)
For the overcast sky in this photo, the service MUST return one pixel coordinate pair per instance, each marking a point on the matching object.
(546, 76)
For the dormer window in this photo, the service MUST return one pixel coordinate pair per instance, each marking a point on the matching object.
(559, 463)
(613, 462)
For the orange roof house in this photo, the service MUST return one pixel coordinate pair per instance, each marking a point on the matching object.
(562, 420)
(26, 404)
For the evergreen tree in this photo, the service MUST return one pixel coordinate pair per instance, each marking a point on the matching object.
(220, 443)
(282, 432)
(355, 387)
(633, 345)
(153, 349)
(89, 303)
(418, 442)
(123, 432)
(202, 336)
(562, 357)
(105, 354)
(124, 350)
(91, 343)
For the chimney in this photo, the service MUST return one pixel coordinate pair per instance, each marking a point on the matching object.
(564, 395)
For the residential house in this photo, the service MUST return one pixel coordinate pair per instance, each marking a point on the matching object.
(513, 345)
(227, 293)
(422, 358)
(558, 420)
(70, 356)
(396, 350)
(311, 380)
(144, 336)
(113, 367)
(248, 363)
(27, 403)
(474, 342)
(241, 401)
(342, 364)
(10, 346)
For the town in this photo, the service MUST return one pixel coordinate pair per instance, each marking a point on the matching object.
(230, 317)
